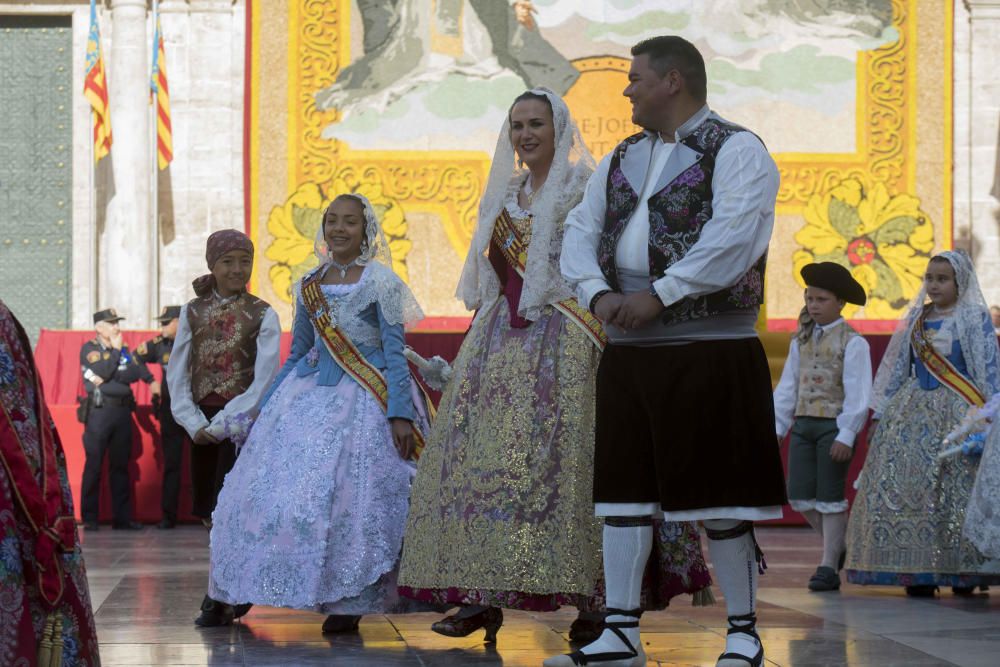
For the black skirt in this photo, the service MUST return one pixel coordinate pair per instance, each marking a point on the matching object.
(689, 426)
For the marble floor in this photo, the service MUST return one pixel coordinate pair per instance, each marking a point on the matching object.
(147, 586)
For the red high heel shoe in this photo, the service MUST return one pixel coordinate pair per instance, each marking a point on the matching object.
(490, 619)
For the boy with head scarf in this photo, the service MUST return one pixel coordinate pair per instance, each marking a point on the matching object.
(224, 358)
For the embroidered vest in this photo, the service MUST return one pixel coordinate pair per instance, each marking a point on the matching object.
(677, 214)
(223, 344)
(821, 373)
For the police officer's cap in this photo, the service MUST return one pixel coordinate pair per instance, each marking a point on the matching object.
(169, 313)
(107, 315)
(835, 278)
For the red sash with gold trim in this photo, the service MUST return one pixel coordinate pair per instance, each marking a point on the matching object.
(942, 369)
(515, 250)
(42, 503)
(347, 355)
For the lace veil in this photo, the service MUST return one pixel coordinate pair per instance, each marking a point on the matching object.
(975, 332)
(572, 165)
(380, 284)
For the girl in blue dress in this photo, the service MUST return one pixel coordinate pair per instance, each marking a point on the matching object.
(906, 525)
(312, 515)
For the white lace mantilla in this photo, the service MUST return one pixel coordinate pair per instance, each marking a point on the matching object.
(572, 165)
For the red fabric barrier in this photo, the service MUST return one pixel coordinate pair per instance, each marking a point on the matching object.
(58, 357)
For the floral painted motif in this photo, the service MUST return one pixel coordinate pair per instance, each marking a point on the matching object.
(295, 224)
(883, 240)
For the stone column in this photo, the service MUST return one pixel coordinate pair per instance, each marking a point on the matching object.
(205, 189)
(127, 280)
(983, 93)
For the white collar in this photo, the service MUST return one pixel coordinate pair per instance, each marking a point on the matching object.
(692, 123)
(225, 299)
(689, 126)
(826, 327)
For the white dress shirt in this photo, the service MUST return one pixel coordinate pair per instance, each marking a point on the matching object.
(744, 189)
(632, 252)
(857, 379)
(186, 412)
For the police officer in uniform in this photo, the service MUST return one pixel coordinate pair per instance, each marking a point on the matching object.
(108, 370)
(157, 351)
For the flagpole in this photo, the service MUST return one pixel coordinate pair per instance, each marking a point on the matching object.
(94, 237)
(154, 300)
(95, 240)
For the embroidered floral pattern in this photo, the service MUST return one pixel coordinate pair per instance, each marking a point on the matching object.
(22, 613)
(516, 423)
(677, 215)
(224, 343)
(312, 514)
(621, 201)
(6, 367)
(906, 523)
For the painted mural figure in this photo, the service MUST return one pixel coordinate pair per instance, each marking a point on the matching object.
(907, 520)
(312, 514)
(45, 611)
(668, 249)
(397, 49)
(502, 513)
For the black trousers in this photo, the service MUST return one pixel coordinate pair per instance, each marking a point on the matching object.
(172, 440)
(689, 426)
(108, 429)
(209, 466)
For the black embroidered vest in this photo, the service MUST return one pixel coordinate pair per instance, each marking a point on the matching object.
(677, 214)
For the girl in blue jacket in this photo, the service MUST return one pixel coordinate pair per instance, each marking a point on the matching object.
(312, 514)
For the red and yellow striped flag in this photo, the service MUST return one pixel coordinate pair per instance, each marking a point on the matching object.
(95, 88)
(161, 93)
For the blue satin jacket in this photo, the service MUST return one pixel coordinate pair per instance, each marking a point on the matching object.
(388, 358)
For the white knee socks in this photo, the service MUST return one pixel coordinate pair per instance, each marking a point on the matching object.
(735, 562)
(834, 530)
(626, 550)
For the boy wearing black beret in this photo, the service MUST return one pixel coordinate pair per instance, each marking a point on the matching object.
(823, 396)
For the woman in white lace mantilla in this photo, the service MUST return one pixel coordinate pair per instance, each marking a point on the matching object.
(502, 512)
(906, 526)
(312, 515)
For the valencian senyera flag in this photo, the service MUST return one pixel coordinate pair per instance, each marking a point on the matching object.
(160, 96)
(95, 88)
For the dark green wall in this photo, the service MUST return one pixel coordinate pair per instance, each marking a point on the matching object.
(36, 169)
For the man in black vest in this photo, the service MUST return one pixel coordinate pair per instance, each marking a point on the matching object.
(668, 250)
(157, 351)
(108, 369)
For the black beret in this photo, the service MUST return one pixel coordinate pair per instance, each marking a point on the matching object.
(835, 278)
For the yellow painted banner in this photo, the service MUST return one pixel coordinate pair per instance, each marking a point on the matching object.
(402, 102)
